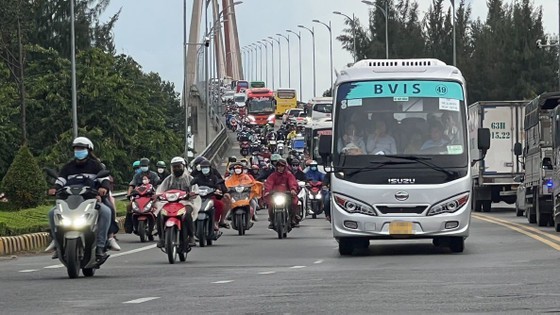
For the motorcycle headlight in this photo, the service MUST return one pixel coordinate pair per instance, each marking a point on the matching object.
(450, 205)
(163, 212)
(351, 205)
(135, 206)
(182, 211)
(65, 221)
(148, 206)
(79, 222)
(239, 189)
(280, 200)
(172, 197)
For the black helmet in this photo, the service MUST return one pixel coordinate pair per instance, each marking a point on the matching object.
(205, 163)
(144, 162)
(198, 160)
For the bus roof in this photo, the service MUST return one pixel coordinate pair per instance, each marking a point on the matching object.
(399, 69)
(259, 91)
(285, 89)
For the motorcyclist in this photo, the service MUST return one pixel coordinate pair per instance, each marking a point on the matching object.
(180, 180)
(281, 134)
(296, 170)
(136, 167)
(265, 171)
(162, 171)
(87, 164)
(238, 178)
(209, 179)
(135, 182)
(313, 174)
(282, 181)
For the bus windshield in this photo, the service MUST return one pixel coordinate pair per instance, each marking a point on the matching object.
(261, 105)
(400, 118)
(323, 108)
(286, 94)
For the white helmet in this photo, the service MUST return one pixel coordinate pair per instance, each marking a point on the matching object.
(82, 142)
(178, 160)
(313, 163)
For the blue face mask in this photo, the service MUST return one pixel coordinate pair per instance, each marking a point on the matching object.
(137, 171)
(144, 169)
(205, 170)
(313, 168)
(80, 154)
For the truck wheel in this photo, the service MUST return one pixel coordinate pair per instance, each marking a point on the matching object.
(531, 215)
(477, 206)
(557, 226)
(486, 205)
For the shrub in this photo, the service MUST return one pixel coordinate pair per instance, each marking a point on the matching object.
(24, 183)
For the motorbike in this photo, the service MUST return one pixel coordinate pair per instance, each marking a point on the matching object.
(244, 148)
(280, 147)
(172, 213)
(314, 198)
(204, 224)
(272, 146)
(240, 208)
(302, 200)
(143, 217)
(280, 209)
(75, 220)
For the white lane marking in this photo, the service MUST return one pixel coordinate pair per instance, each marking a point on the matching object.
(222, 281)
(297, 267)
(266, 272)
(141, 249)
(142, 300)
(28, 270)
(320, 261)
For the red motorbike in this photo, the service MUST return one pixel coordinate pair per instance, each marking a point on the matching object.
(174, 234)
(143, 217)
(314, 198)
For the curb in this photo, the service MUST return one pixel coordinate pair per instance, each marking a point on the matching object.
(26, 242)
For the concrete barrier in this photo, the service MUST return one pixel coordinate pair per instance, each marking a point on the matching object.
(21, 243)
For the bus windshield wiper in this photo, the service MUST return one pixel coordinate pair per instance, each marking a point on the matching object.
(357, 170)
(424, 161)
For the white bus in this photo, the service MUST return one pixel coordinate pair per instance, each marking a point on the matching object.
(399, 157)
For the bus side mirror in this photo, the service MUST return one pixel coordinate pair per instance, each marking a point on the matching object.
(483, 140)
(547, 163)
(517, 149)
(325, 144)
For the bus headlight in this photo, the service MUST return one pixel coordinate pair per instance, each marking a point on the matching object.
(351, 205)
(450, 205)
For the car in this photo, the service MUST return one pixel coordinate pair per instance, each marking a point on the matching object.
(228, 96)
(292, 112)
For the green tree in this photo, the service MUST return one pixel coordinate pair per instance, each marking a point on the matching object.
(24, 184)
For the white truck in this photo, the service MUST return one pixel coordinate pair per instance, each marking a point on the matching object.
(493, 176)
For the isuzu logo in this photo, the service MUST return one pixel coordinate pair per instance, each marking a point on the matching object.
(401, 195)
(401, 180)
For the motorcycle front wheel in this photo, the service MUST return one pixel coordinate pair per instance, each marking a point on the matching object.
(201, 232)
(72, 256)
(142, 231)
(171, 244)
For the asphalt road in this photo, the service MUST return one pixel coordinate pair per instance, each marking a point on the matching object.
(502, 270)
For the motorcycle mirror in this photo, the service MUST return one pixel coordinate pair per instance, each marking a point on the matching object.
(52, 173)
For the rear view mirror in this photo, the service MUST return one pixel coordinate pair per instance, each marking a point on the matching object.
(518, 179)
(547, 163)
(325, 144)
(517, 149)
(483, 139)
(103, 173)
(52, 173)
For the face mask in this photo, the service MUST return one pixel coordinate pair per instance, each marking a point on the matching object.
(145, 181)
(205, 170)
(178, 173)
(238, 171)
(295, 166)
(313, 168)
(137, 171)
(80, 154)
(160, 170)
(144, 169)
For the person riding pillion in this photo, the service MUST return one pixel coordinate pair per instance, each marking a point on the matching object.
(162, 171)
(87, 164)
(207, 178)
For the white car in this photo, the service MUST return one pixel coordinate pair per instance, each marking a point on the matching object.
(240, 99)
(228, 96)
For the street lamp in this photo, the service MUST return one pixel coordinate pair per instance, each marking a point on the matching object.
(353, 19)
(272, 53)
(266, 59)
(329, 27)
(454, 35)
(299, 40)
(73, 57)
(287, 38)
(386, 14)
(255, 48)
(312, 31)
(261, 66)
(280, 60)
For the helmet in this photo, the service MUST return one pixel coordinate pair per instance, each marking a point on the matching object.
(198, 160)
(205, 163)
(144, 162)
(313, 163)
(136, 164)
(178, 160)
(275, 157)
(232, 158)
(244, 162)
(82, 142)
(160, 164)
(295, 162)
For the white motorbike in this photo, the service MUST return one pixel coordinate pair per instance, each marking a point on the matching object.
(302, 200)
(280, 147)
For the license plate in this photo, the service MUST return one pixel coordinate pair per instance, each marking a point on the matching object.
(400, 228)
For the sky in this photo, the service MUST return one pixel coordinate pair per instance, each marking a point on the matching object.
(151, 32)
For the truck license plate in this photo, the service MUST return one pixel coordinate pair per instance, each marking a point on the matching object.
(400, 228)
